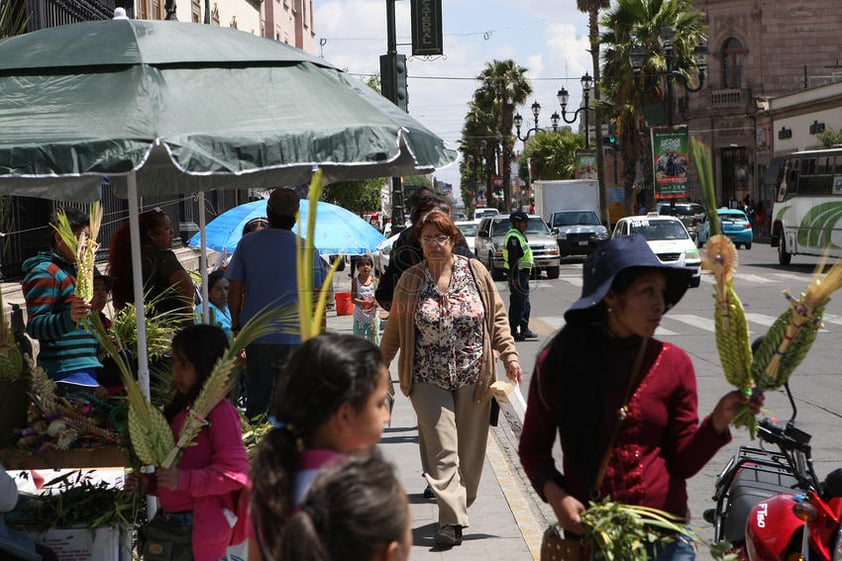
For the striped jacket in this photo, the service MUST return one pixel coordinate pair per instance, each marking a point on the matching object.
(48, 288)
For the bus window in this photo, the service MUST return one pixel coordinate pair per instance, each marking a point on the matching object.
(838, 168)
(824, 165)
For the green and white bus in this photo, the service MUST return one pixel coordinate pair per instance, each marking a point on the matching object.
(807, 215)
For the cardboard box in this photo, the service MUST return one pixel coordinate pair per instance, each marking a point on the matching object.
(82, 544)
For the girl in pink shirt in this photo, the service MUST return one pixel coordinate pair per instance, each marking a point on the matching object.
(204, 489)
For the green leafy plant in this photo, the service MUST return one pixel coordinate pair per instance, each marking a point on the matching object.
(621, 532)
(73, 500)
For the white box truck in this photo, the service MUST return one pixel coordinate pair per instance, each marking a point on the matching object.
(570, 207)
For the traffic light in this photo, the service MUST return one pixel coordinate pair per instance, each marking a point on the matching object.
(401, 93)
(612, 138)
(393, 79)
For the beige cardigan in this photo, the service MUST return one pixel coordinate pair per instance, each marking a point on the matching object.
(400, 328)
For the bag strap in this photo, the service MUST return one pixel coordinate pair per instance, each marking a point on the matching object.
(636, 374)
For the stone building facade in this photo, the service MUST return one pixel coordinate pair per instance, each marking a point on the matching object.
(760, 50)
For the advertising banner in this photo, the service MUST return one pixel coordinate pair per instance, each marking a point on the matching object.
(586, 164)
(671, 161)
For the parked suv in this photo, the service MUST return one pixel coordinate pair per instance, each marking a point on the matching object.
(491, 236)
(579, 231)
(667, 237)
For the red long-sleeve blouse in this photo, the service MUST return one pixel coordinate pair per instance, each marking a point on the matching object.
(658, 446)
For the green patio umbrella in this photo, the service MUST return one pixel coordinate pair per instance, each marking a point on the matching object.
(187, 108)
(162, 107)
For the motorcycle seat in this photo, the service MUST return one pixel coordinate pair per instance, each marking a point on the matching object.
(752, 484)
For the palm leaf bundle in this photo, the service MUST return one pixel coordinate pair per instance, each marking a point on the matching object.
(732, 336)
(792, 334)
(61, 414)
(84, 247)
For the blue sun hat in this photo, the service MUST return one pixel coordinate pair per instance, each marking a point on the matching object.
(603, 265)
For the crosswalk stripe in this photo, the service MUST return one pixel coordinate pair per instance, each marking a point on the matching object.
(703, 323)
(792, 277)
(753, 278)
(762, 319)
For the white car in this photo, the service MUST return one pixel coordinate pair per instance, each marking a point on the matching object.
(667, 237)
(469, 230)
(482, 212)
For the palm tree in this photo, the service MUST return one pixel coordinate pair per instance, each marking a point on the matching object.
(477, 132)
(639, 22)
(592, 8)
(503, 85)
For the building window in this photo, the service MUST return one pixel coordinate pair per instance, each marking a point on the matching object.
(732, 63)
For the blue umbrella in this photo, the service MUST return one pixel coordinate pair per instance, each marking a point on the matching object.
(337, 230)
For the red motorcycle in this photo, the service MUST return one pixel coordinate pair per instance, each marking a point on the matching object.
(765, 498)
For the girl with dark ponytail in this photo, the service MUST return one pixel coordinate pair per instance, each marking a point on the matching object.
(331, 404)
(355, 511)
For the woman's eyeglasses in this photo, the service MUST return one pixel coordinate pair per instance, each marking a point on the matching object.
(440, 240)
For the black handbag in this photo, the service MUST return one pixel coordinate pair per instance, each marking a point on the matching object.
(163, 539)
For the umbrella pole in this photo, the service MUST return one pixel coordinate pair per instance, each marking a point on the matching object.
(140, 310)
(137, 280)
(203, 259)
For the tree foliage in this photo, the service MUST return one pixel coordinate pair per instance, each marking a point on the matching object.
(356, 196)
(552, 154)
(830, 137)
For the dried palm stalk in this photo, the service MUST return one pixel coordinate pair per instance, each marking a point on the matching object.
(310, 318)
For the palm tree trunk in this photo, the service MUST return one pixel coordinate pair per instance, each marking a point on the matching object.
(508, 118)
(593, 29)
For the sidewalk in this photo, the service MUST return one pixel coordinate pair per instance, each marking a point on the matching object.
(503, 526)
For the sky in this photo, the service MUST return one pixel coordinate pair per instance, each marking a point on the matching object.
(547, 37)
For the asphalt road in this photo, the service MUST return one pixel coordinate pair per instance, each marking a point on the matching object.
(816, 385)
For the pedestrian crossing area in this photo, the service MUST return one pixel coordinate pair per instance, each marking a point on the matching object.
(679, 324)
(674, 324)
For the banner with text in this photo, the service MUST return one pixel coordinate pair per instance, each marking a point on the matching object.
(671, 161)
(586, 164)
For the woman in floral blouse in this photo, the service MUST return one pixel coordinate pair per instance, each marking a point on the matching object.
(447, 318)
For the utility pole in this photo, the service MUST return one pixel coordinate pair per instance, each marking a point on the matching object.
(390, 87)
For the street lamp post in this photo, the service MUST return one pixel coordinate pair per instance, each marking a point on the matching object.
(536, 110)
(564, 97)
(637, 58)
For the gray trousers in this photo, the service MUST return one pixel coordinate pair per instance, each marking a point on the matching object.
(453, 433)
